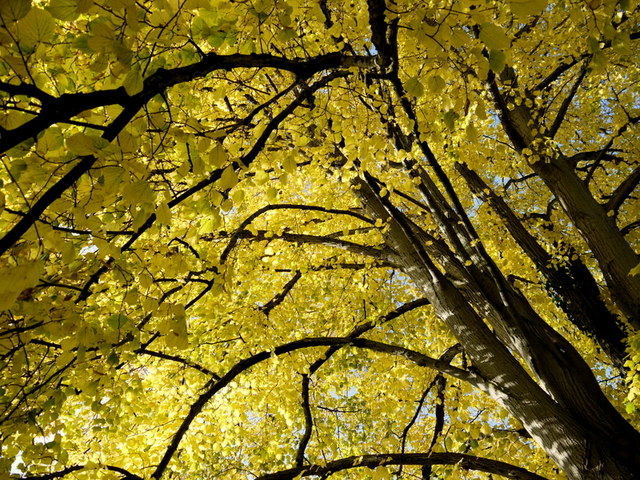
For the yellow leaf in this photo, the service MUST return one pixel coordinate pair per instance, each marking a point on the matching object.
(102, 38)
(228, 179)
(414, 87)
(12, 10)
(81, 144)
(133, 82)
(65, 10)
(435, 84)
(14, 280)
(37, 26)
(494, 37)
(289, 164)
(217, 156)
(163, 213)
(521, 9)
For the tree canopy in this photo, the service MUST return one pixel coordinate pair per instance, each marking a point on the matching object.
(277, 239)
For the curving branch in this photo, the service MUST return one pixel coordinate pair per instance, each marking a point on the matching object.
(244, 365)
(247, 221)
(126, 475)
(356, 332)
(467, 462)
(178, 359)
(58, 110)
(379, 252)
(308, 421)
(242, 163)
(624, 190)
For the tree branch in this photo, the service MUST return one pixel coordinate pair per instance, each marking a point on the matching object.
(467, 462)
(379, 252)
(308, 421)
(279, 298)
(178, 359)
(126, 475)
(243, 365)
(247, 221)
(242, 163)
(566, 103)
(57, 110)
(624, 190)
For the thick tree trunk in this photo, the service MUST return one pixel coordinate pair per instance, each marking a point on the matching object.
(564, 411)
(614, 254)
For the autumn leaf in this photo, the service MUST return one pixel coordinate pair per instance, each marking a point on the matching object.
(286, 239)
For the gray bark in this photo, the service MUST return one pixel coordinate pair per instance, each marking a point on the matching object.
(563, 407)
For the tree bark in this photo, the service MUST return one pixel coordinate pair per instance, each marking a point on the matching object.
(565, 411)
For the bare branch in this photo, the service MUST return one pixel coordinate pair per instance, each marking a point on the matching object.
(126, 475)
(566, 103)
(308, 421)
(624, 190)
(467, 462)
(243, 365)
(178, 359)
(247, 221)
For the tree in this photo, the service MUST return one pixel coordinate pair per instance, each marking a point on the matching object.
(275, 239)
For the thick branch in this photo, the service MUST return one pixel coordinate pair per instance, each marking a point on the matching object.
(566, 103)
(247, 221)
(467, 462)
(308, 421)
(244, 365)
(624, 190)
(126, 475)
(57, 110)
(578, 290)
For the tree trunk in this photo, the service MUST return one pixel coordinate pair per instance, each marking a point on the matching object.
(564, 409)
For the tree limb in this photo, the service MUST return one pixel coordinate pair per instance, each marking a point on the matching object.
(247, 221)
(308, 421)
(243, 365)
(467, 462)
(623, 191)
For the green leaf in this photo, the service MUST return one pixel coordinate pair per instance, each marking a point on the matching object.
(450, 118)
(494, 37)
(12, 10)
(414, 87)
(435, 84)
(521, 9)
(497, 60)
(37, 26)
(65, 10)
(133, 82)
(117, 321)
